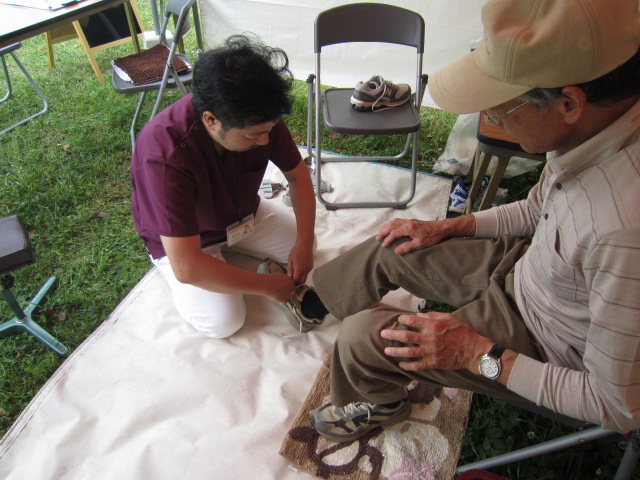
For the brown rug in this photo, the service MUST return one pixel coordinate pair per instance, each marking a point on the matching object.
(426, 446)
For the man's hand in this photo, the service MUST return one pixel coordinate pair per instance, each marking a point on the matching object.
(437, 341)
(423, 234)
(300, 262)
(280, 287)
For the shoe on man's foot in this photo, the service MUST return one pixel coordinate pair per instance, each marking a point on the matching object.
(377, 94)
(348, 423)
(293, 307)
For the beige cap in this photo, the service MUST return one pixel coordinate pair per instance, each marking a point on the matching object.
(538, 43)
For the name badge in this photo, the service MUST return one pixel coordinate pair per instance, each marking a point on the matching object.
(240, 230)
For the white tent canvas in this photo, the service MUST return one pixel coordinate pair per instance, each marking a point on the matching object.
(451, 27)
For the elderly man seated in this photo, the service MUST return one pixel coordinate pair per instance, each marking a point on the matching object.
(547, 288)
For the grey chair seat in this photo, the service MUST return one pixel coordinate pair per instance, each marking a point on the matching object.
(15, 247)
(340, 117)
(123, 86)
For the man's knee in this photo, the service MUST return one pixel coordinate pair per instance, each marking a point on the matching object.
(361, 331)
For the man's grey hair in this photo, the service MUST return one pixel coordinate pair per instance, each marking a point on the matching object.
(541, 98)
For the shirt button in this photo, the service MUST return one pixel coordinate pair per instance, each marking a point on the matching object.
(182, 145)
(546, 216)
(559, 186)
(195, 128)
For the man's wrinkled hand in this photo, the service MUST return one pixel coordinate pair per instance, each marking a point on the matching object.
(421, 234)
(435, 340)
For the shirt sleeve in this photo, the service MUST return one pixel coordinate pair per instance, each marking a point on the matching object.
(284, 152)
(168, 200)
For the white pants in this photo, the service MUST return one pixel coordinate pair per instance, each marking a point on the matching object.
(220, 315)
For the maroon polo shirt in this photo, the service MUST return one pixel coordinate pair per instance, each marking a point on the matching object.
(180, 188)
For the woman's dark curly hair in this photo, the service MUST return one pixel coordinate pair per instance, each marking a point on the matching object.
(243, 82)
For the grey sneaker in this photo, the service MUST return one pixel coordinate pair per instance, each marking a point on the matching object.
(345, 424)
(377, 94)
(293, 307)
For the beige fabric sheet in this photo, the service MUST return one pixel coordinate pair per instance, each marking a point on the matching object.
(147, 398)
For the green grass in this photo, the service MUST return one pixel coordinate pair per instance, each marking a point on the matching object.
(66, 174)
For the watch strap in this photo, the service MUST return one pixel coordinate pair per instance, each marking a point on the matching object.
(496, 351)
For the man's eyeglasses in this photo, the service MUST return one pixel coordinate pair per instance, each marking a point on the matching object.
(494, 120)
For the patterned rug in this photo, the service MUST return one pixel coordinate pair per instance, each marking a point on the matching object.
(426, 446)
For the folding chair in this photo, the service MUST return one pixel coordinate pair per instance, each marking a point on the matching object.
(364, 22)
(179, 9)
(585, 432)
(16, 252)
(11, 50)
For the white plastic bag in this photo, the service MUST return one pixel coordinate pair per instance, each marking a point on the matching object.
(461, 146)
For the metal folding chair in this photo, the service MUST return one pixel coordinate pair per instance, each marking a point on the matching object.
(11, 50)
(584, 433)
(179, 9)
(365, 22)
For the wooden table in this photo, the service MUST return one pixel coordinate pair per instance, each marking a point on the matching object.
(20, 23)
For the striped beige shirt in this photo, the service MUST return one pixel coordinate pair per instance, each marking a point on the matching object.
(578, 285)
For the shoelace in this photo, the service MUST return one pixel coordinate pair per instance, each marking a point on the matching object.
(388, 87)
(299, 332)
(356, 408)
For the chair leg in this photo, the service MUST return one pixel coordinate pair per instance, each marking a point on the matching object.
(7, 79)
(134, 120)
(198, 27)
(45, 103)
(630, 457)
(23, 322)
(577, 438)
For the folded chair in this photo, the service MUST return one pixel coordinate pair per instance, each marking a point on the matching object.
(166, 65)
(11, 50)
(364, 22)
(585, 432)
(16, 252)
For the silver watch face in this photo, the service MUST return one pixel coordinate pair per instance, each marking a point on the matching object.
(489, 367)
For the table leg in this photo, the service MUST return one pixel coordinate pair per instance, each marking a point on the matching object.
(479, 167)
(494, 183)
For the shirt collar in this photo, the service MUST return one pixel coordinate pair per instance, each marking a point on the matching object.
(599, 148)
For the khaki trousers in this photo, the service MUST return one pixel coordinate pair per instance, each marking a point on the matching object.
(473, 275)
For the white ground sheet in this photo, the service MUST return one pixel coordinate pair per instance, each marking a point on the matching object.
(147, 398)
(451, 26)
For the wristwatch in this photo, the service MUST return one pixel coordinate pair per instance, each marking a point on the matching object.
(489, 364)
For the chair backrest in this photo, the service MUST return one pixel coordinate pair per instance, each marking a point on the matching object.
(369, 22)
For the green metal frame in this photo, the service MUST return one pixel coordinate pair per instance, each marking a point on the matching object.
(23, 322)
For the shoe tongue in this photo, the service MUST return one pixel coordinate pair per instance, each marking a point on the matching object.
(376, 81)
